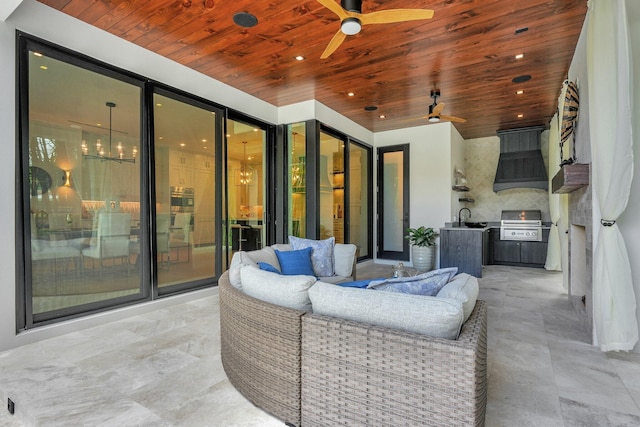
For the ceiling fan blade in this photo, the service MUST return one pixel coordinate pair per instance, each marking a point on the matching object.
(453, 119)
(335, 42)
(395, 15)
(438, 109)
(335, 8)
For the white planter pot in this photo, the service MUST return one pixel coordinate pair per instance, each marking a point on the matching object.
(422, 257)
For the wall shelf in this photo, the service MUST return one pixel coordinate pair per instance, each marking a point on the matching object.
(570, 178)
(460, 188)
(466, 200)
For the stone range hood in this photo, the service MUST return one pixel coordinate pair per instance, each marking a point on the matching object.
(520, 164)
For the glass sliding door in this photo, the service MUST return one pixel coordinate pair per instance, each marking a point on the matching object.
(185, 191)
(246, 182)
(81, 152)
(393, 202)
(332, 185)
(297, 137)
(360, 203)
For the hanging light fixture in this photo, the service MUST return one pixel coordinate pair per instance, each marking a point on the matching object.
(246, 173)
(100, 153)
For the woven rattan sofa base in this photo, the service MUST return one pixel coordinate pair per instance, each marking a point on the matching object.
(260, 350)
(355, 374)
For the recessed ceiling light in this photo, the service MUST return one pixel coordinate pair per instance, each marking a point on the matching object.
(204, 140)
(300, 58)
(37, 53)
(519, 92)
(245, 19)
(182, 144)
(520, 56)
(382, 116)
(520, 115)
(158, 105)
(161, 137)
(99, 124)
(370, 108)
(256, 129)
(521, 79)
(351, 94)
(228, 136)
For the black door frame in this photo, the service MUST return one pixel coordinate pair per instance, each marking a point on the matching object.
(380, 252)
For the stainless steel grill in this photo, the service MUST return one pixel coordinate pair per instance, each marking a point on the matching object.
(521, 225)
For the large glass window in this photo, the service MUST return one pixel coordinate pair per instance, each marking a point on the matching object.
(331, 181)
(82, 154)
(297, 179)
(246, 185)
(102, 225)
(185, 161)
(360, 198)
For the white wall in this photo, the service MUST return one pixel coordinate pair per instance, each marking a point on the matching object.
(457, 160)
(313, 109)
(430, 173)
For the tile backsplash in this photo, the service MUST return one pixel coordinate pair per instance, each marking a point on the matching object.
(481, 160)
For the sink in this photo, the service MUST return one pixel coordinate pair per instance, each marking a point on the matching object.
(475, 224)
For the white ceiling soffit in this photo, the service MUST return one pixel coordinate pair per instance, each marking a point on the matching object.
(7, 7)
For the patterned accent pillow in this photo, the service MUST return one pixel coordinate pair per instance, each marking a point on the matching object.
(322, 255)
(295, 262)
(427, 284)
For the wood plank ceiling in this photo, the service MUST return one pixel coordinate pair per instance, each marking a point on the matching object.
(467, 50)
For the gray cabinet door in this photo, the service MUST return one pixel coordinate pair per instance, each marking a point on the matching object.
(506, 251)
(462, 249)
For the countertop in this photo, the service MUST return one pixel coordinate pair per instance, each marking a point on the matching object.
(490, 224)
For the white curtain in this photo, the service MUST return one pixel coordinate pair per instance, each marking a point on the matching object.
(609, 71)
(554, 252)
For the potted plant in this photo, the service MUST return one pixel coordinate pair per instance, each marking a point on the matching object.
(422, 240)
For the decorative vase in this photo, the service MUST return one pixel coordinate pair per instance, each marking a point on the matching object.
(422, 257)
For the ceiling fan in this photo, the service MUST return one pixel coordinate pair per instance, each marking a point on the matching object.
(352, 19)
(435, 109)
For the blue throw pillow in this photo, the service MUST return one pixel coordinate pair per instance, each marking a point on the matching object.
(296, 262)
(268, 267)
(356, 283)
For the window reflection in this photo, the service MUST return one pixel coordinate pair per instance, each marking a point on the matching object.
(185, 191)
(84, 213)
(297, 180)
(246, 185)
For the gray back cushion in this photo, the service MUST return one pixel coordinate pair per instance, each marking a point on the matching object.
(436, 317)
(463, 288)
(286, 291)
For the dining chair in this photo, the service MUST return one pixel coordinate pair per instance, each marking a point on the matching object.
(180, 236)
(112, 238)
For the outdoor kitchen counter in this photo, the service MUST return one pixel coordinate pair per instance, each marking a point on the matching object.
(464, 247)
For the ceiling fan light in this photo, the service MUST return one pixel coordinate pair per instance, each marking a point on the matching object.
(351, 26)
(434, 119)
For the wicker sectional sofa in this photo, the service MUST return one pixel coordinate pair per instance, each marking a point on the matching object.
(313, 370)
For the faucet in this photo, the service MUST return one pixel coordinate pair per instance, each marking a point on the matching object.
(460, 216)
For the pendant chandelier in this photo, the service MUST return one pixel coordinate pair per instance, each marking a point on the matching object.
(246, 172)
(100, 153)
